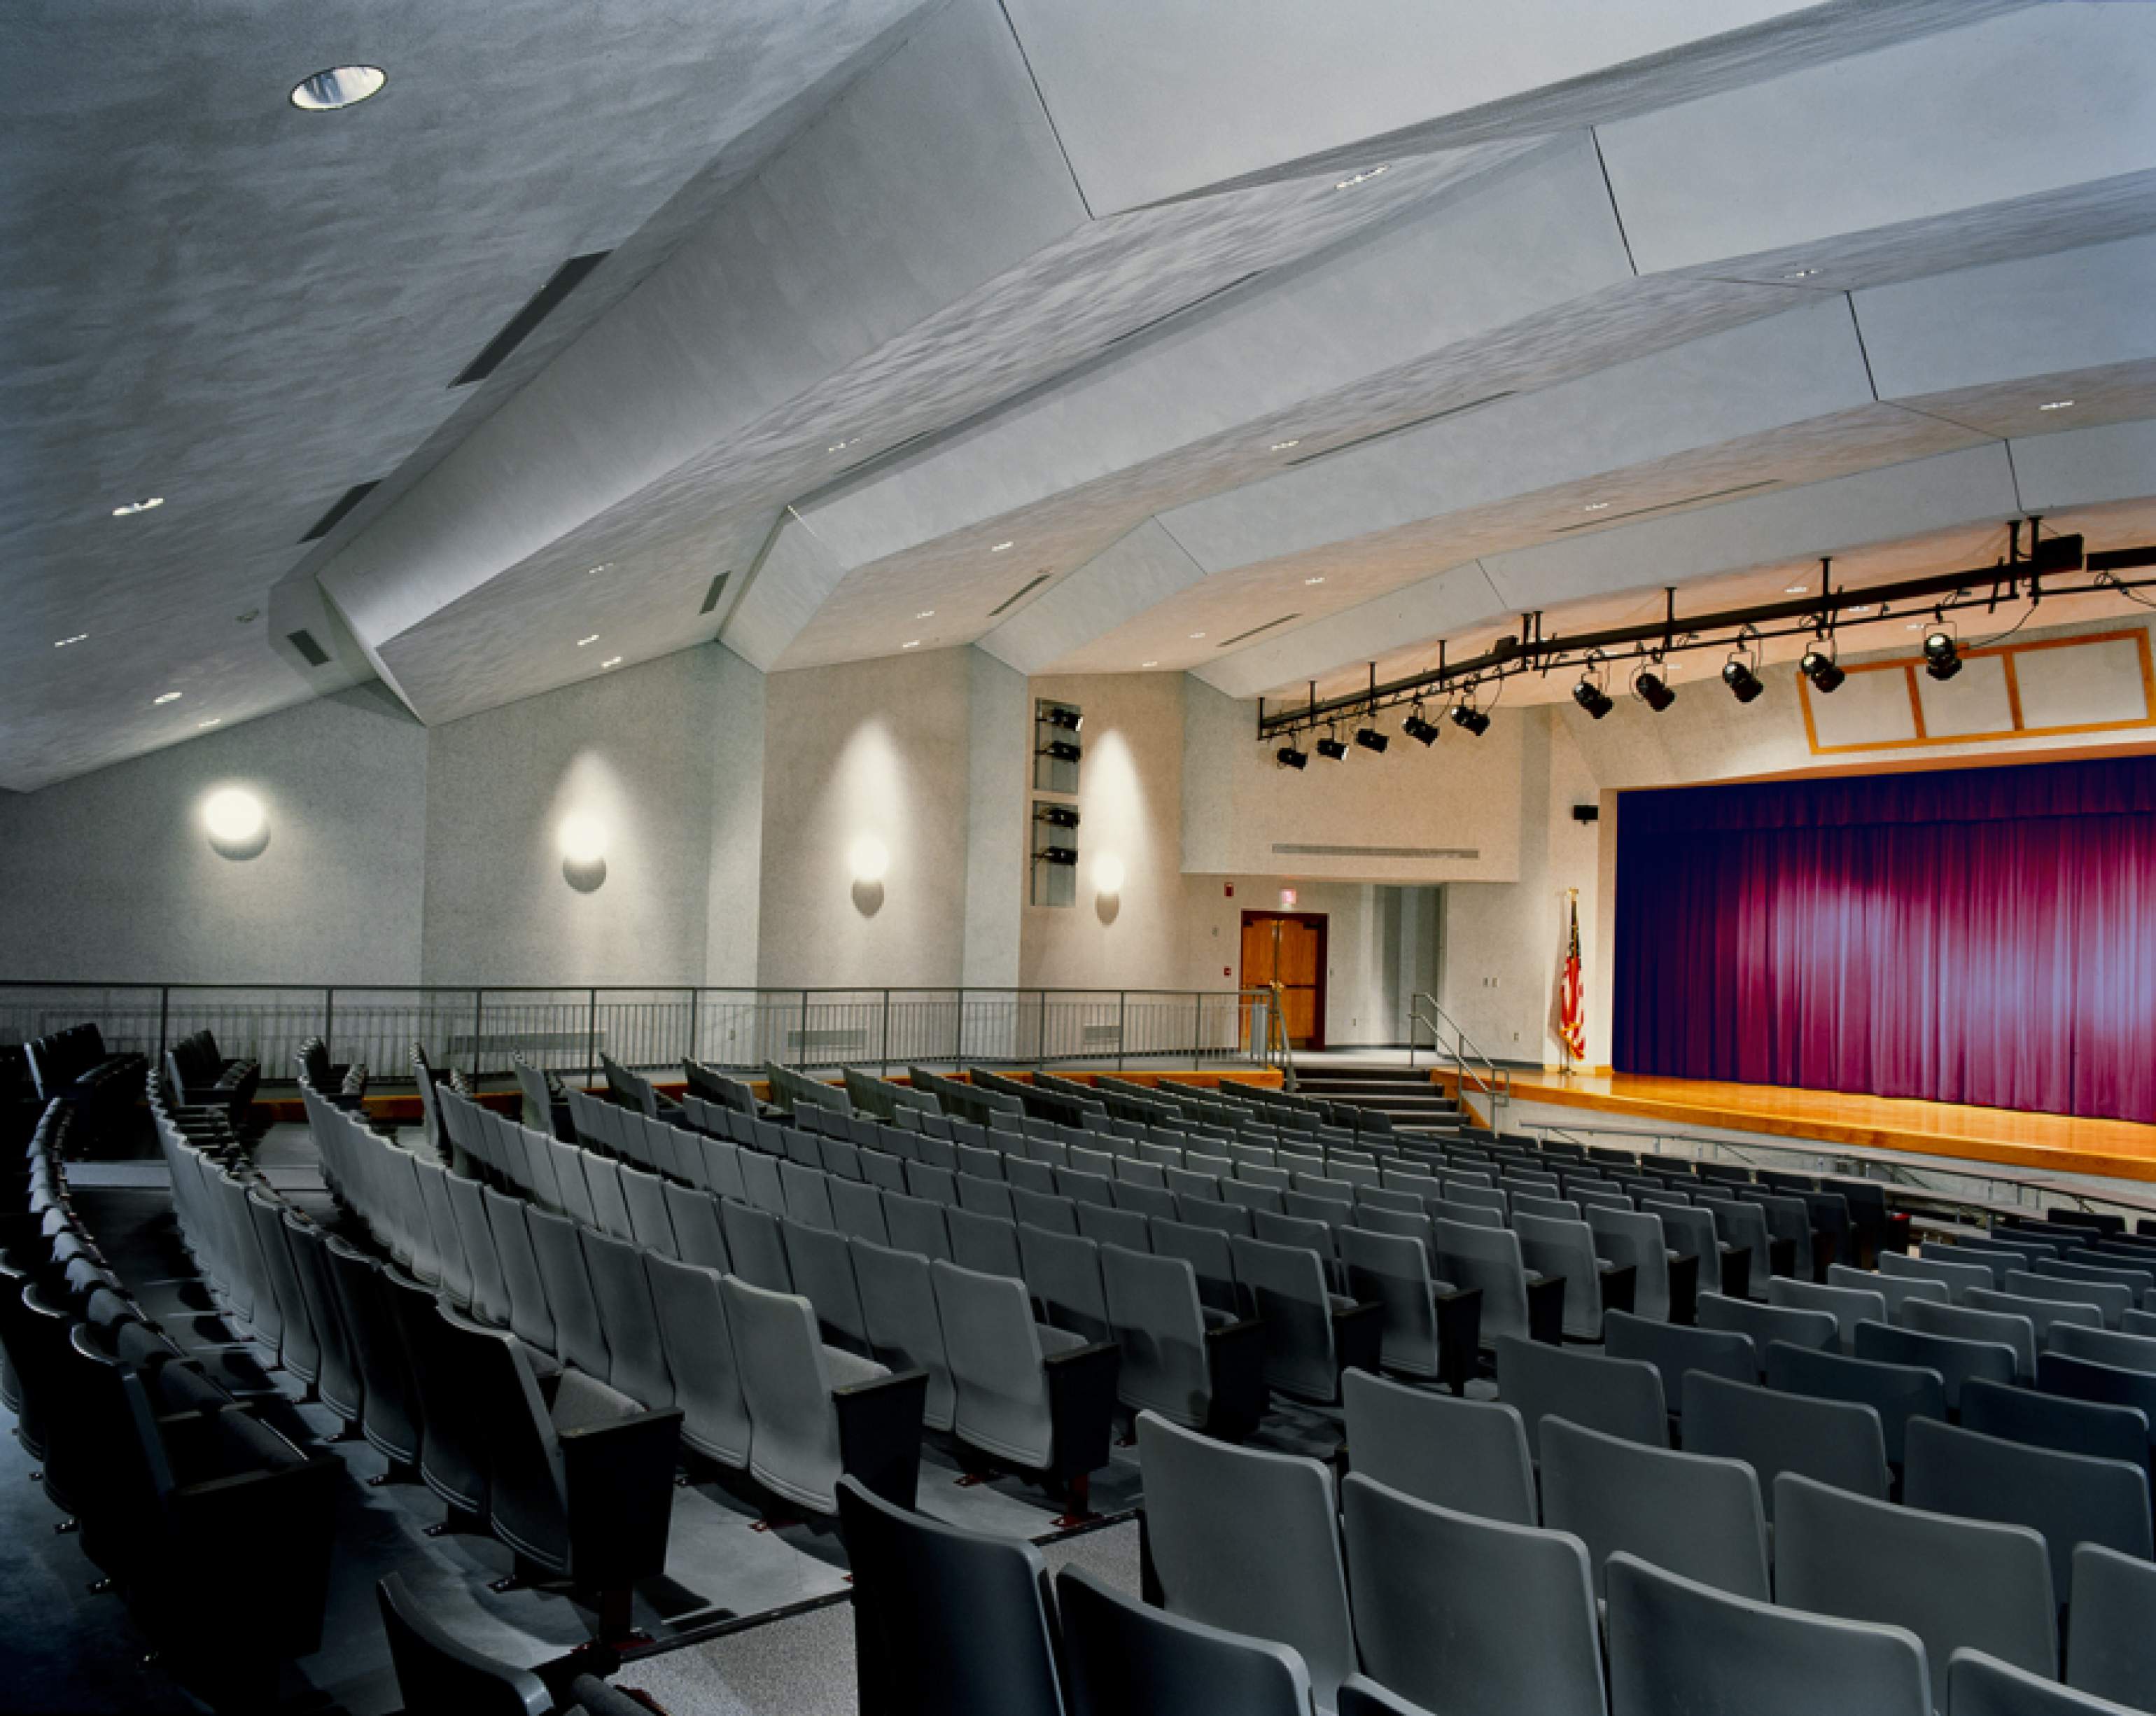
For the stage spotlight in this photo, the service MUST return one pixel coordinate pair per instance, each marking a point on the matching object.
(1331, 749)
(1941, 655)
(1063, 716)
(1289, 758)
(1422, 731)
(1473, 719)
(1743, 684)
(1370, 739)
(1651, 689)
(1592, 698)
(1820, 668)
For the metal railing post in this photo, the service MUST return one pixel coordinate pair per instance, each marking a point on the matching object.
(693, 998)
(591, 1034)
(164, 1016)
(1197, 1025)
(883, 1041)
(801, 1059)
(958, 1032)
(1122, 1011)
(329, 1021)
(479, 1022)
(1040, 1038)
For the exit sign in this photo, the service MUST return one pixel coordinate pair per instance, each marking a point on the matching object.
(1287, 897)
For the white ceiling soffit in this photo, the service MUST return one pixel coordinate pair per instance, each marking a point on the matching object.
(1156, 98)
(1977, 485)
(2036, 100)
(213, 297)
(1135, 573)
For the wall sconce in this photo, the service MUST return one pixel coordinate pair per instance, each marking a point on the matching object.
(870, 860)
(582, 839)
(1108, 874)
(239, 827)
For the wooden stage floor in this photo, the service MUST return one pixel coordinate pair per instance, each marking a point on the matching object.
(2059, 1144)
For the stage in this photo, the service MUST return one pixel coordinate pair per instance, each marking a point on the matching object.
(2056, 1143)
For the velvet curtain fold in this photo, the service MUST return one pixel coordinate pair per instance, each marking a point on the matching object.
(1984, 936)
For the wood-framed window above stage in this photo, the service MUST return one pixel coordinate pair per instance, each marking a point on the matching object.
(1288, 947)
(2099, 682)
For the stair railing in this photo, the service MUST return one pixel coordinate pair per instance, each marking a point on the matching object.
(1423, 1012)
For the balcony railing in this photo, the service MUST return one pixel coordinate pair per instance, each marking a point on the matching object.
(566, 1029)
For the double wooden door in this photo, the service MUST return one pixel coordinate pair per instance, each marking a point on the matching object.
(1288, 947)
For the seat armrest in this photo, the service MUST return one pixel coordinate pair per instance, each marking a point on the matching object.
(1235, 1363)
(1684, 1289)
(1735, 1271)
(620, 1481)
(880, 1433)
(1458, 1335)
(1546, 1308)
(1825, 1251)
(1358, 1338)
(1082, 1405)
(1620, 1287)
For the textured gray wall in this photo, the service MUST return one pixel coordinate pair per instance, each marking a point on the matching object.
(870, 749)
(634, 750)
(110, 876)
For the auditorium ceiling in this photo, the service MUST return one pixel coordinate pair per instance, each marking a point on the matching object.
(1261, 342)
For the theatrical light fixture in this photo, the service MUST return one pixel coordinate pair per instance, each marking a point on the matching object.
(1418, 727)
(1370, 739)
(1591, 697)
(1743, 684)
(1289, 758)
(1062, 750)
(1067, 856)
(1942, 654)
(340, 86)
(1056, 815)
(1818, 665)
(1469, 719)
(132, 507)
(1070, 720)
(1652, 690)
(1331, 749)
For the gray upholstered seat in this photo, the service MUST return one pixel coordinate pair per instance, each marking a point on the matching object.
(454, 1276)
(1635, 1238)
(575, 1190)
(530, 1318)
(1955, 1360)
(1847, 1306)
(1000, 1359)
(2042, 1313)
(821, 1262)
(2070, 1498)
(1895, 1289)
(1951, 1581)
(1307, 1341)
(1392, 1271)
(1208, 1253)
(756, 1244)
(453, 1459)
(1679, 1645)
(1675, 1350)
(1970, 1322)
(1621, 1397)
(1470, 1456)
(916, 1225)
(1896, 1392)
(1981, 1685)
(905, 1332)
(649, 1222)
(788, 1376)
(1767, 1323)
(1463, 1613)
(637, 1367)
(490, 1292)
(2105, 1346)
(2111, 1651)
(1111, 1227)
(1127, 1658)
(1839, 1443)
(1564, 1250)
(807, 1200)
(579, 1335)
(1690, 1514)
(1958, 1278)
(1062, 1272)
(1487, 1259)
(2113, 1299)
(1248, 1541)
(698, 1237)
(1193, 1370)
(693, 1331)
(2045, 1420)
(985, 1244)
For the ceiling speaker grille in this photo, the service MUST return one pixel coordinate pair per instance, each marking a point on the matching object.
(303, 640)
(1023, 590)
(564, 280)
(717, 590)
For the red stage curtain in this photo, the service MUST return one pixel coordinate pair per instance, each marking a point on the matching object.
(1982, 936)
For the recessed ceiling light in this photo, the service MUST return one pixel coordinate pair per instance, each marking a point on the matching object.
(999, 547)
(1198, 635)
(2055, 405)
(593, 638)
(926, 613)
(1802, 273)
(1362, 177)
(1795, 589)
(212, 722)
(1282, 446)
(1314, 580)
(840, 446)
(250, 617)
(1148, 664)
(340, 86)
(611, 662)
(132, 507)
(910, 643)
(1596, 506)
(1855, 611)
(593, 572)
(168, 697)
(62, 643)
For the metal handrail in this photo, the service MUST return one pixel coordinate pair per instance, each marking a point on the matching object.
(1494, 1079)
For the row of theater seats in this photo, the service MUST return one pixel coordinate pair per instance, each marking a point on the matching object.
(1476, 1602)
(189, 1483)
(202, 1076)
(73, 1066)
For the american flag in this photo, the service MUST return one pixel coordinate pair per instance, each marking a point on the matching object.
(1572, 1010)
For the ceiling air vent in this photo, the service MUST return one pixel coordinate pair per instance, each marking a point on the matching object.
(1400, 428)
(1289, 849)
(335, 517)
(1023, 590)
(303, 640)
(1241, 637)
(1669, 505)
(564, 280)
(717, 590)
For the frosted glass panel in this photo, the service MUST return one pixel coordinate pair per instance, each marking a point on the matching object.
(1972, 701)
(2081, 684)
(1869, 708)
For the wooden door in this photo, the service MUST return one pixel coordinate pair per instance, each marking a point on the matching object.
(1288, 947)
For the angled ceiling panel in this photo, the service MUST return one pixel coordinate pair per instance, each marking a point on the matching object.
(1143, 568)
